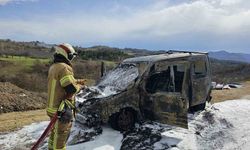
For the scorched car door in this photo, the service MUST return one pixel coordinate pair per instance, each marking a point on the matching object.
(165, 88)
(200, 81)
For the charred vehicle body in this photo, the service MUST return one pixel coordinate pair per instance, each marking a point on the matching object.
(160, 87)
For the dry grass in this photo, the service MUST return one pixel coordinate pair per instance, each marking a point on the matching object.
(15, 120)
(222, 95)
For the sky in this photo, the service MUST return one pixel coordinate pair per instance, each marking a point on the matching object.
(205, 25)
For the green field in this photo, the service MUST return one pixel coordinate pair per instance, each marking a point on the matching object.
(17, 64)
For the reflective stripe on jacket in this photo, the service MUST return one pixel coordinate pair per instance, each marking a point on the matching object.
(60, 76)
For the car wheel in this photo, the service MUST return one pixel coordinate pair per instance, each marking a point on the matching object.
(197, 107)
(123, 120)
(201, 106)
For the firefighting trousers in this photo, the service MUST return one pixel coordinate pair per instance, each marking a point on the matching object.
(59, 136)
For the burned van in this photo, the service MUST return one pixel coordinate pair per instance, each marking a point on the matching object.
(160, 87)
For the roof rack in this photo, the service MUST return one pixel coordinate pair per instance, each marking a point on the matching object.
(190, 52)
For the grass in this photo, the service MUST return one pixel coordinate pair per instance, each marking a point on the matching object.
(26, 61)
(109, 63)
(16, 120)
(19, 64)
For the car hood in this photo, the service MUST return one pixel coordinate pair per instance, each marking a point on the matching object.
(116, 81)
(95, 92)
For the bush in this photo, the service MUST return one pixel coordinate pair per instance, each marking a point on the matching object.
(87, 69)
(32, 82)
(107, 54)
(90, 69)
(40, 68)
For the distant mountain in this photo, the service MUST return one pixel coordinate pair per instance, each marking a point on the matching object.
(224, 55)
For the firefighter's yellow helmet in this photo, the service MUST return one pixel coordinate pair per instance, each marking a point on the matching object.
(66, 50)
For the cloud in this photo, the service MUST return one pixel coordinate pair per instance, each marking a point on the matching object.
(4, 2)
(229, 2)
(201, 20)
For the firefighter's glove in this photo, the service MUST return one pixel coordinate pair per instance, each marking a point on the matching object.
(83, 87)
(81, 81)
(65, 112)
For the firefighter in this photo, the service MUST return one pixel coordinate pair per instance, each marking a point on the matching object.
(62, 87)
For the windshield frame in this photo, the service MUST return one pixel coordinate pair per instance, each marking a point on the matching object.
(107, 79)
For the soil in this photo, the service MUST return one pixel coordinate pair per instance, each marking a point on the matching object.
(13, 98)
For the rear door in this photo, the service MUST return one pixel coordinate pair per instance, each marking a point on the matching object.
(165, 87)
(201, 80)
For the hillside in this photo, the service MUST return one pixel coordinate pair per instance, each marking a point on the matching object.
(33, 49)
(91, 57)
(25, 72)
(102, 53)
(229, 71)
(224, 55)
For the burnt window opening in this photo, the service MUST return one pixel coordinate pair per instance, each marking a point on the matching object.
(159, 81)
(178, 77)
(200, 68)
(169, 80)
(152, 69)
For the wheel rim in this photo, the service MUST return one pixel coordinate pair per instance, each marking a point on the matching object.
(125, 120)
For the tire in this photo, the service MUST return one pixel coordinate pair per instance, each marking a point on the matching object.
(201, 106)
(123, 120)
(197, 107)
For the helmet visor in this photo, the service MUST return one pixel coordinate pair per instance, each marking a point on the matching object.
(71, 56)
